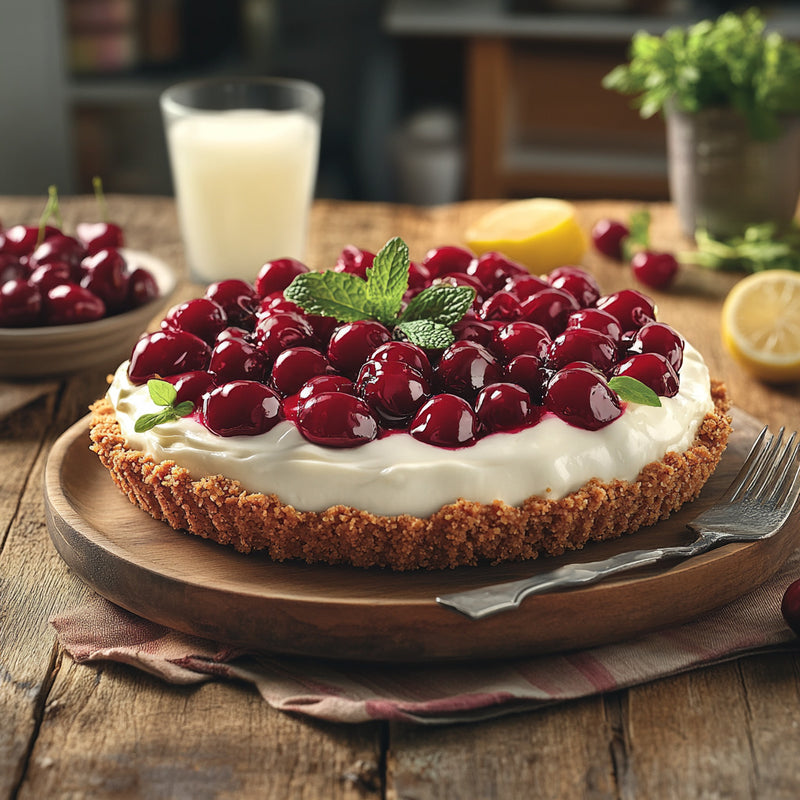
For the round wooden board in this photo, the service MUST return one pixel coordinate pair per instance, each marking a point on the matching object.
(208, 590)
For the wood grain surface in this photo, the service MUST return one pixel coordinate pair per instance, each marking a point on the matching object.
(108, 731)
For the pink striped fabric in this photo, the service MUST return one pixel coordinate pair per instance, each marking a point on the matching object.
(433, 693)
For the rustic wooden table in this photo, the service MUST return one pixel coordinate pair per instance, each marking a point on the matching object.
(111, 731)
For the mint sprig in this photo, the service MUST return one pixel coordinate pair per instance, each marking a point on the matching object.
(164, 394)
(632, 390)
(425, 321)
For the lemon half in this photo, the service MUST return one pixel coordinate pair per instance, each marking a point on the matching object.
(761, 325)
(541, 233)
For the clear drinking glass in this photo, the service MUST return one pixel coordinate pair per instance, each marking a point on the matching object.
(243, 154)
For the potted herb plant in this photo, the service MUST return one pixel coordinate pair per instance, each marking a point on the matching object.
(730, 92)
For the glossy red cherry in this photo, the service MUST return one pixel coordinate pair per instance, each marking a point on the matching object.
(581, 397)
(142, 287)
(523, 286)
(352, 343)
(326, 383)
(475, 330)
(191, 386)
(405, 352)
(295, 367)
(608, 236)
(445, 421)
(51, 274)
(656, 337)
(790, 606)
(354, 260)
(653, 370)
(393, 390)
(656, 270)
(582, 344)
(106, 274)
(494, 269)
(20, 240)
(549, 308)
(336, 419)
(275, 303)
(502, 306)
(68, 304)
(597, 320)
(446, 259)
(520, 337)
(237, 359)
(20, 304)
(166, 353)
(503, 407)
(465, 368)
(277, 332)
(58, 248)
(200, 316)
(418, 276)
(241, 408)
(275, 276)
(96, 236)
(12, 269)
(632, 309)
(238, 299)
(526, 370)
(577, 282)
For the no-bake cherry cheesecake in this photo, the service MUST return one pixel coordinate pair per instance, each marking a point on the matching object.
(431, 414)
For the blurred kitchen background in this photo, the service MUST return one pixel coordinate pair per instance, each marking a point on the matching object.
(426, 101)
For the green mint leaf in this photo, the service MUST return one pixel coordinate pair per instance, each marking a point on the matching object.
(634, 391)
(387, 280)
(442, 303)
(162, 393)
(184, 409)
(427, 333)
(148, 421)
(332, 294)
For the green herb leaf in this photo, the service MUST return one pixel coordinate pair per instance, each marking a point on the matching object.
(333, 294)
(184, 409)
(148, 421)
(427, 333)
(442, 303)
(162, 393)
(761, 247)
(632, 390)
(387, 280)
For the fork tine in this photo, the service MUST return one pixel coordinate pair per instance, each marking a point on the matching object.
(783, 480)
(765, 469)
(746, 469)
(792, 495)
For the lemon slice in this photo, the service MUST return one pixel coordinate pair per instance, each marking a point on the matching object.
(761, 325)
(542, 233)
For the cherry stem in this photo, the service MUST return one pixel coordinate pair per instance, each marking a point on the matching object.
(97, 185)
(51, 209)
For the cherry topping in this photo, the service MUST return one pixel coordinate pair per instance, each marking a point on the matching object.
(236, 359)
(520, 337)
(474, 330)
(406, 352)
(523, 286)
(656, 270)
(238, 300)
(352, 343)
(241, 408)
(449, 258)
(200, 316)
(494, 269)
(295, 367)
(445, 421)
(466, 367)
(501, 305)
(526, 370)
(68, 304)
(394, 390)
(274, 303)
(549, 308)
(336, 419)
(582, 344)
(166, 353)
(503, 407)
(418, 276)
(581, 397)
(608, 235)
(20, 304)
(653, 370)
(631, 308)
(597, 320)
(276, 275)
(277, 332)
(191, 385)
(325, 383)
(656, 337)
(577, 282)
(354, 260)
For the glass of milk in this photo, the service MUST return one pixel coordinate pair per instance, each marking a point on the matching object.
(243, 154)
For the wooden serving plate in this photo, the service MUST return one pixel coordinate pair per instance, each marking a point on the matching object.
(209, 590)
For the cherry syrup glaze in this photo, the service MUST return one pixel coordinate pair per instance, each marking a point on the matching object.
(531, 346)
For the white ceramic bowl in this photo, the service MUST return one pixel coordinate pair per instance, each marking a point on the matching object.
(64, 349)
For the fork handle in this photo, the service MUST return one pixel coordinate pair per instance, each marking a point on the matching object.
(489, 600)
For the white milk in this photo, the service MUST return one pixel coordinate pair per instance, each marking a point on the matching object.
(244, 180)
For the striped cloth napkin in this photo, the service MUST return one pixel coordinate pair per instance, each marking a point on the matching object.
(433, 693)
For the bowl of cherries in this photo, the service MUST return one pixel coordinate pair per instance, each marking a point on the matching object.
(73, 302)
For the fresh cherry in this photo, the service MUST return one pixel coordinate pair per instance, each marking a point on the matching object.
(277, 332)
(69, 303)
(276, 275)
(20, 240)
(51, 274)
(656, 270)
(166, 353)
(445, 421)
(236, 359)
(96, 236)
(106, 274)
(581, 397)
(503, 407)
(200, 316)
(241, 408)
(295, 367)
(237, 298)
(336, 419)
(59, 248)
(577, 282)
(12, 269)
(142, 287)
(631, 308)
(465, 368)
(393, 390)
(20, 304)
(653, 370)
(352, 343)
(582, 344)
(608, 236)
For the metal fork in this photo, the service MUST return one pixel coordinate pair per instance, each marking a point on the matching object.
(755, 506)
